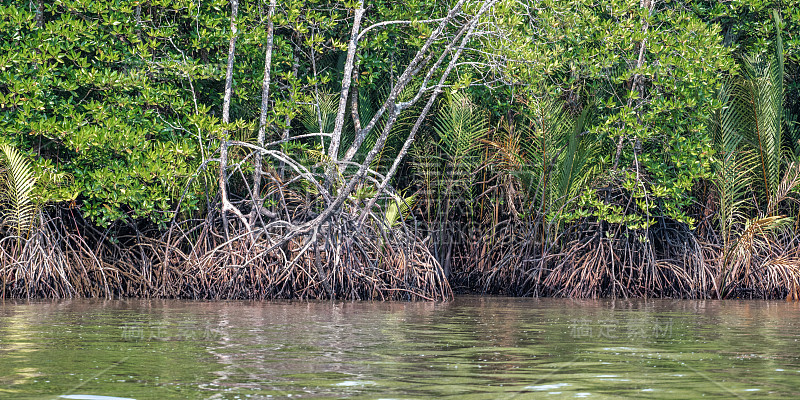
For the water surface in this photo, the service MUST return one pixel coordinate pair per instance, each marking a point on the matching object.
(471, 348)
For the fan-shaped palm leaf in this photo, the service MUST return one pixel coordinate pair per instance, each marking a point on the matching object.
(321, 117)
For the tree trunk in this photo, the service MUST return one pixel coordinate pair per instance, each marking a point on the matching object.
(429, 104)
(226, 111)
(262, 121)
(333, 151)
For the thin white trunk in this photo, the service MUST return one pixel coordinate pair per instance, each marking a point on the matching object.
(226, 112)
(333, 151)
(262, 121)
(413, 67)
(394, 109)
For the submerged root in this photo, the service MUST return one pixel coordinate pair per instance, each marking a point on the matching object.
(765, 267)
(337, 259)
(668, 260)
(779, 278)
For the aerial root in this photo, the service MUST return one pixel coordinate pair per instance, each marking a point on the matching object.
(334, 260)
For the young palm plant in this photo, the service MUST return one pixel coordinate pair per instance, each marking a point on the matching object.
(446, 169)
(562, 173)
(550, 158)
(539, 164)
(17, 182)
(756, 163)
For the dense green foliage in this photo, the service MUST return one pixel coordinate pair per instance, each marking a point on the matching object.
(125, 97)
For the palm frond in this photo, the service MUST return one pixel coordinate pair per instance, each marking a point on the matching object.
(757, 104)
(790, 181)
(460, 127)
(320, 117)
(573, 168)
(749, 134)
(17, 182)
(736, 165)
(793, 131)
(399, 209)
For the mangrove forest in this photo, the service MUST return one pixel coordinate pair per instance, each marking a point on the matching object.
(399, 150)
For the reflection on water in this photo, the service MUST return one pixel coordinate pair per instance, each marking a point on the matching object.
(493, 348)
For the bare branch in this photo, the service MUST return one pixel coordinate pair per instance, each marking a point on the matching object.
(410, 139)
(333, 151)
(420, 59)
